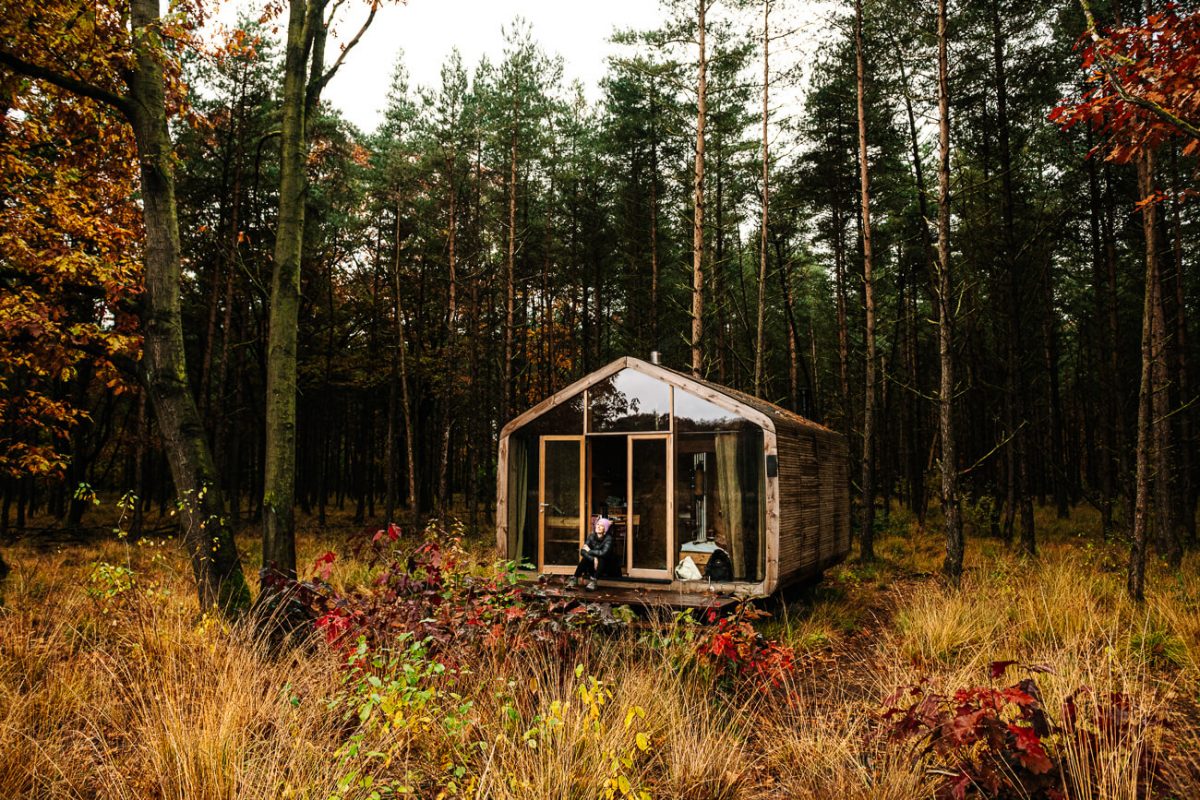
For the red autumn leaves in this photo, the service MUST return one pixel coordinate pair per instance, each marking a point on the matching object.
(1142, 85)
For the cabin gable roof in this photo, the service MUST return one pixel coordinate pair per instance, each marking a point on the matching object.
(762, 413)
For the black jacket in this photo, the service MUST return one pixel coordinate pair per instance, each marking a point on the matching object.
(598, 546)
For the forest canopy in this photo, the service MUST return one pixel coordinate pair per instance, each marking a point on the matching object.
(193, 237)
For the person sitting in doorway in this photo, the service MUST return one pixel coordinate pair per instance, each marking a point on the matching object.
(593, 553)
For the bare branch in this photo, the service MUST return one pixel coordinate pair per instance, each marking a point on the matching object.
(321, 82)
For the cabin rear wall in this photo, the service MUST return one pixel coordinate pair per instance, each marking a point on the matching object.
(814, 502)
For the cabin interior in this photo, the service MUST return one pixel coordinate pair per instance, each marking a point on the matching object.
(681, 477)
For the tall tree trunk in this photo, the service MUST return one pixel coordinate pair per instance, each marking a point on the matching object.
(759, 344)
(1166, 538)
(1016, 456)
(1107, 382)
(509, 271)
(449, 382)
(279, 475)
(843, 330)
(391, 485)
(945, 300)
(392, 408)
(867, 541)
(654, 269)
(1112, 340)
(914, 466)
(139, 467)
(698, 197)
(716, 279)
(795, 361)
(406, 408)
(163, 369)
(1059, 478)
(215, 562)
(1136, 578)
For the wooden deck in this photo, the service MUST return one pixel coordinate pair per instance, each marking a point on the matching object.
(637, 597)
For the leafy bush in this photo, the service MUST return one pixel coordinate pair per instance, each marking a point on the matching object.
(436, 594)
(733, 649)
(388, 699)
(109, 583)
(1000, 743)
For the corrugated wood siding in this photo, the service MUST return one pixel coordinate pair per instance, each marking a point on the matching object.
(814, 510)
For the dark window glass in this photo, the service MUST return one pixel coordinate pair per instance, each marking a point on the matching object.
(649, 503)
(564, 419)
(562, 520)
(629, 401)
(523, 458)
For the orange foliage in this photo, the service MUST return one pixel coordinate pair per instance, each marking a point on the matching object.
(551, 348)
(69, 265)
(69, 228)
(1142, 88)
(70, 225)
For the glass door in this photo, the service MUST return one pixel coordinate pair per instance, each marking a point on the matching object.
(648, 544)
(561, 514)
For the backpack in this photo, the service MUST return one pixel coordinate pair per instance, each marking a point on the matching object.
(719, 568)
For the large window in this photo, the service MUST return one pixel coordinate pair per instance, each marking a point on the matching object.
(629, 402)
(720, 501)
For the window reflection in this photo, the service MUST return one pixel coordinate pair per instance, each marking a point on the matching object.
(564, 418)
(695, 414)
(629, 401)
(720, 501)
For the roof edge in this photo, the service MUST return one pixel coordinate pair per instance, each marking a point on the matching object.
(726, 397)
(550, 402)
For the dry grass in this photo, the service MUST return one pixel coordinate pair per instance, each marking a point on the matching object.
(134, 696)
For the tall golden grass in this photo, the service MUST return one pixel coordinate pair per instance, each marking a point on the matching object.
(115, 692)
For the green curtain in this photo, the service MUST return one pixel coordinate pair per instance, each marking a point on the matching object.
(518, 500)
(729, 490)
(756, 456)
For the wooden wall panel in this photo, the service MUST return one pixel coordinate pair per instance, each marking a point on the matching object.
(814, 509)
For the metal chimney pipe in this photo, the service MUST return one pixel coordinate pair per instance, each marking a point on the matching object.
(655, 357)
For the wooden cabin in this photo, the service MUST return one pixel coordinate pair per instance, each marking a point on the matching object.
(685, 469)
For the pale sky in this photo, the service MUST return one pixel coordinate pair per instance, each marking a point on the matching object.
(427, 30)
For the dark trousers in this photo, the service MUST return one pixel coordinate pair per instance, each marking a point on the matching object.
(586, 568)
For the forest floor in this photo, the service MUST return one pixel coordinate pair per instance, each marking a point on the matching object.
(111, 684)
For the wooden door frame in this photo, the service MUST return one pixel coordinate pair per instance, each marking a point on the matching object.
(668, 451)
(543, 567)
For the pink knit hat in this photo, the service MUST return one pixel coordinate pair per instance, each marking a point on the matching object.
(604, 523)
